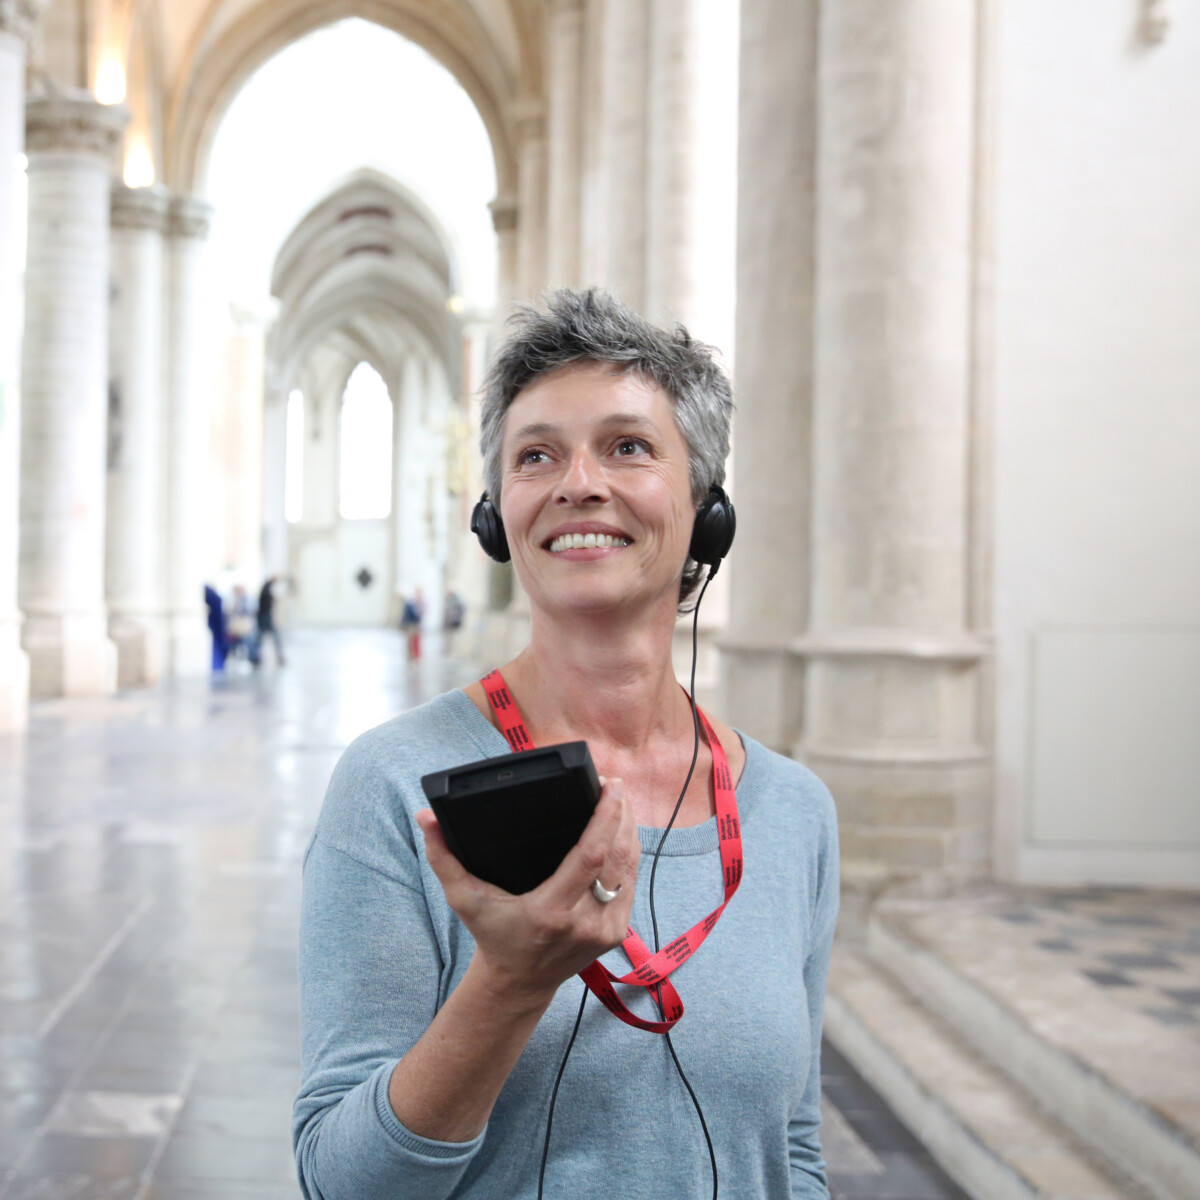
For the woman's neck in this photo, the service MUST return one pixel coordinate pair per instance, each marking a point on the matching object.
(610, 680)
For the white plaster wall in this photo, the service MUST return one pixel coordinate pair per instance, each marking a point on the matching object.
(1097, 445)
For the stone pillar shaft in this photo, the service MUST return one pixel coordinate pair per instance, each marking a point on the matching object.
(187, 441)
(624, 69)
(564, 140)
(14, 663)
(893, 685)
(504, 222)
(64, 368)
(135, 435)
(592, 199)
(531, 202)
(275, 527)
(671, 166)
(762, 676)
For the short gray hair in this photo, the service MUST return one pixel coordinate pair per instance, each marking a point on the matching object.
(593, 326)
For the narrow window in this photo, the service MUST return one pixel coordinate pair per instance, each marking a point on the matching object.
(365, 447)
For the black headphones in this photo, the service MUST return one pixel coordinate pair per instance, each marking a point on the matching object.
(712, 534)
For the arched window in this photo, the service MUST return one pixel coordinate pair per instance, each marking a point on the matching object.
(366, 447)
(293, 471)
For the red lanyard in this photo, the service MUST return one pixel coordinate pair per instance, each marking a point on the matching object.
(649, 970)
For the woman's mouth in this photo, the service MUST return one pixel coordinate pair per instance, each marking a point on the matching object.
(587, 541)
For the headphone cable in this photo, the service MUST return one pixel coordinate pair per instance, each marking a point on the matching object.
(712, 1156)
(562, 1066)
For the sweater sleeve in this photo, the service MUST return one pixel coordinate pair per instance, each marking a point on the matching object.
(804, 1145)
(370, 977)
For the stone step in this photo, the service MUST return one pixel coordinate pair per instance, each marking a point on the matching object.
(1099, 1069)
(993, 1139)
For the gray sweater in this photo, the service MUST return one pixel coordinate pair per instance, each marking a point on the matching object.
(380, 951)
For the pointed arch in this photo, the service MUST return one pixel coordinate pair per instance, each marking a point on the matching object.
(372, 262)
(219, 63)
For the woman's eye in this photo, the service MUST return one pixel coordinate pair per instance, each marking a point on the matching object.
(630, 446)
(531, 457)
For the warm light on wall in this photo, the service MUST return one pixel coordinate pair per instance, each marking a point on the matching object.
(110, 81)
(139, 164)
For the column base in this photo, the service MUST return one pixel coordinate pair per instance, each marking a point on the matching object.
(140, 649)
(14, 681)
(69, 655)
(920, 828)
(761, 691)
(896, 725)
(187, 644)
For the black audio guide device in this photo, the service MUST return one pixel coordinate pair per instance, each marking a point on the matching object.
(511, 820)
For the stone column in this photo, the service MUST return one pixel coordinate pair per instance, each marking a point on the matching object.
(505, 219)
(762, 676)
(70, 140)
(531, 199)
(186, 441)
(624, 71)
(673, 144)
(592, 199)
(275, 560)
(564, 87)
(893, 700)
(16, 24)
(135, 423)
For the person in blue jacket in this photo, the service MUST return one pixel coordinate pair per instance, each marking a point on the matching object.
(216, 626)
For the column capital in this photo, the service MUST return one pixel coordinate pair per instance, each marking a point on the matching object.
(73, 122)
(139, 208)
(504, 213)
(529, 118)
(20, 17)
(189, 217)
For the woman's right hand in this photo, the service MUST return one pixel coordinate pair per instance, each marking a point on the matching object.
(530, 944)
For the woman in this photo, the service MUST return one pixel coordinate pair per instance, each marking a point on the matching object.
(436, 1009)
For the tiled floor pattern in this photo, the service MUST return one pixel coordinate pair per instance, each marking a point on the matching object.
(1104, 977)
(1142, 946)
(149, 854)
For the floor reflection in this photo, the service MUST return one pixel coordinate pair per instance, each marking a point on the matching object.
(150, 847)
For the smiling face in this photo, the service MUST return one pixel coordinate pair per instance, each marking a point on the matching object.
(596, 498)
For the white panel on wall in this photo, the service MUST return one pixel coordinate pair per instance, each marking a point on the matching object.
(1096, 446)
(1114, 745)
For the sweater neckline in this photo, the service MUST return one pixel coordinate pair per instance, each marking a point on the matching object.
(691, 839)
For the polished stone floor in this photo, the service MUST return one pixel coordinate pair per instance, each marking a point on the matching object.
(149, 882)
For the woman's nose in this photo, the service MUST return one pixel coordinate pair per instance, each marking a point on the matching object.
(583, 480)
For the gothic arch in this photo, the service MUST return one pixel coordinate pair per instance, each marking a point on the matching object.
(216, 67)
(369, 259)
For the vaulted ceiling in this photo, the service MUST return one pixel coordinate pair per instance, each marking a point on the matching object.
(371, 265)
(179, 63)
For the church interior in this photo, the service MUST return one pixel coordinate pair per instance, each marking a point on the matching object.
(254, 258)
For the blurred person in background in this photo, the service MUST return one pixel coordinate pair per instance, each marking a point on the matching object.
(216, 626)
(266, 624)
(454, 612)
(411, 617)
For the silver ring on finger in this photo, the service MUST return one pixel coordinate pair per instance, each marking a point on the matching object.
(602, 894)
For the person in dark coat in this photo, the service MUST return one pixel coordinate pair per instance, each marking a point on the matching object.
(266, 624)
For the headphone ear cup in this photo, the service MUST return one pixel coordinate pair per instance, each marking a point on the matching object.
(487, 526)
(716, 523)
